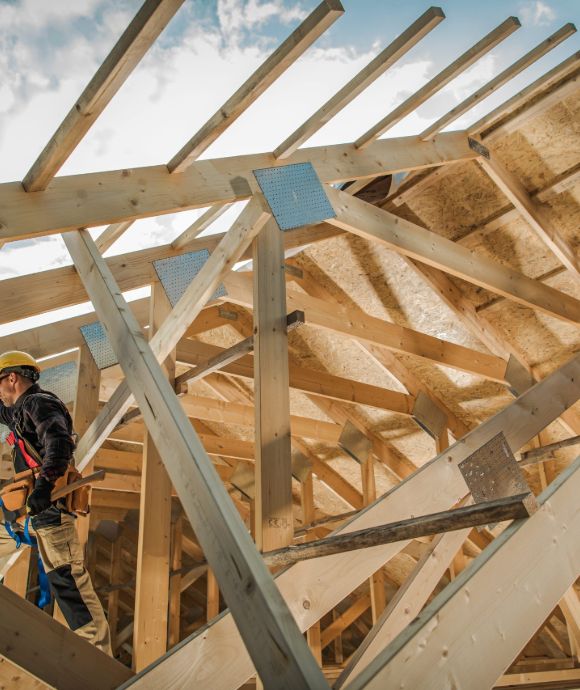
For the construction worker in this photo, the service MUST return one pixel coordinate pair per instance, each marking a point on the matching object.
(42, 436)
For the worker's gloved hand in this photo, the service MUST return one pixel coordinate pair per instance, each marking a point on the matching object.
(39, 498)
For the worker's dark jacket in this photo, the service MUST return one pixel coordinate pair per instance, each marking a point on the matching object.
(44, 422)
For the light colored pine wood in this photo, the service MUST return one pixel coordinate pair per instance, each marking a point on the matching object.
(261, 615)
(453, 70)
(122, 195)
(153, 548)
(213, 596)
(111, 234)
(378, 66)
(51, 652)
(273, 503)
(199, 225)
(323, 16)
(499, 80)
(436, 486)
(175, 585)
(16, 577)
(135, 41)
(240, 235)
(427, 247)
(492, 601)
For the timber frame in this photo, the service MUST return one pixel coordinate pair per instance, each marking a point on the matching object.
(332, 385)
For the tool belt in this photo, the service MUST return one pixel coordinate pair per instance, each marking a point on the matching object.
(15, 494)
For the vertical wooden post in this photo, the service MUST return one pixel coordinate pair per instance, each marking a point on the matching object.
(338, 654)
(377, 580)
(175, 583)
(213, 596)
(274, 519)
(152, 584)
(85, 410)
(442, 441)
(16, 578)
(313, 633)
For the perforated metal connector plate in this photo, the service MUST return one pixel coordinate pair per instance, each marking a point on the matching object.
(295, 195)
(177, 272)
(60, 380)
(98, 343)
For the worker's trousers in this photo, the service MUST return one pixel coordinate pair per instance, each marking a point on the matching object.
(62, 556)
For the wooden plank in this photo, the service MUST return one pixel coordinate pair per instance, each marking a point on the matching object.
(498, 510)
(51, 652)
(499, 80)
(377, 579)
(250, 221)
(492, 601)
(153, 547)
(535, 216)
(427, 247)
(306, 380)
(199, 225)
(376, 67)
(278, 650)
(213, 596)
(148, 23)
(407, 602)
(521, 98)
(317, 586)
(16, 577)
(369, 329)
(113, 596)
(175, 584)
(111, 234)
(62, 287)
(340, 624)
(323, 16)
(565, 678)
(453, 70)
(274, 521)
(121, 195)
(13, 677)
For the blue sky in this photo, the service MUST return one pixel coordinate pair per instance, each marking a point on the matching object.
(49, 49)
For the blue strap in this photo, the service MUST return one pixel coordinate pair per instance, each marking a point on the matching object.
(27, 538)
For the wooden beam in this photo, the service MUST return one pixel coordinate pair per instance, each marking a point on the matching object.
(377, 579)
(61, 287)
(453, 70)
(305, 380)
(175, 583)
(322, 583)
(378, 66)
(199, 225)
(524, 97)
(499, 80)
(499, 510)
(250, 221)
(565, 678)
(122, 195)
(51, 652)
(323, 16)
(135, 41)
(407, 602)
(535, 216)
(340, 624)
(153, 547)
(16, 577)
(111, 234)
(274, 642)
(533, 455)
(369, 329)
(492, 601)
(274, 526)
(427, 247)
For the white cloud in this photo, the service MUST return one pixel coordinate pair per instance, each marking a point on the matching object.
(537, 13)
(236, 16)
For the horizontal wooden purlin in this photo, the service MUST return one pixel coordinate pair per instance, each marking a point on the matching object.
(122, 195)
(425, 246)
(61, 287)
(369, 329)
(306, 380)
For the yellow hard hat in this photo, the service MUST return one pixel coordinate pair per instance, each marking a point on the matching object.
(14, 360)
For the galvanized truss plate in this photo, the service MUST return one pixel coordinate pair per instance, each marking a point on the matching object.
(177, 272)
(429, 416)
(492, 472)
(355, 443)
(295, 195)
(99, 344)
(60, 380)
